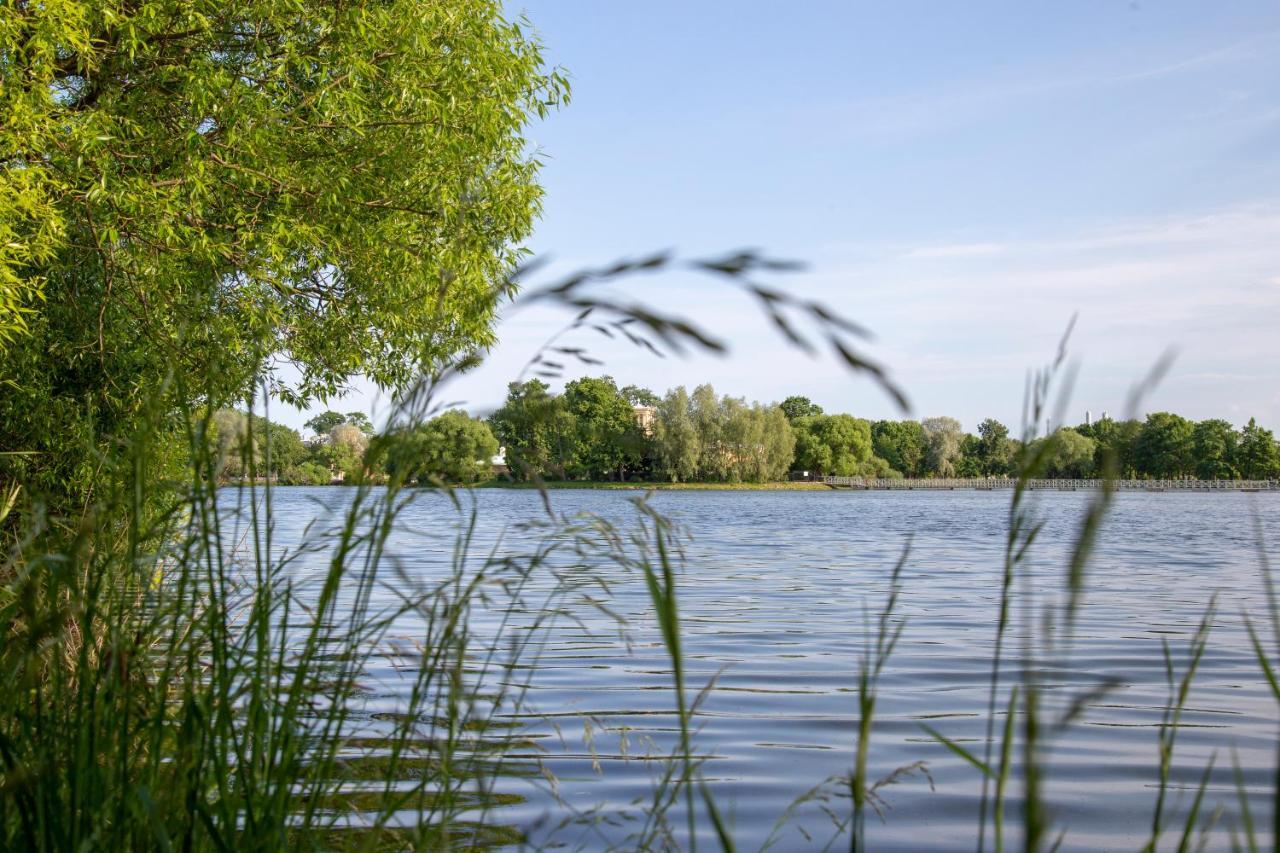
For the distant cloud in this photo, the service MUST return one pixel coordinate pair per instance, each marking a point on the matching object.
(935, 109)
(1244, 48)
(959, 250)
(1252, 228)
(965, 314)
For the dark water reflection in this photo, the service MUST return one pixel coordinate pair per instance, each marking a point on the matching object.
(773, 598)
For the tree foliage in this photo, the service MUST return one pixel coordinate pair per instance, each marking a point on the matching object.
(901, 444)
(795, 407)
(943, 440)
(995, 451)
(593, 432)
(637, 396)
(323, 423)
(838, 445)
(343, 451)
(677, 443)
(191, 190)
(452, 448)
(1215, 444)
(738, 441)
(536, 430)
(608, 439)
(1115, 441)
(249, 444)
(1259, 457)
(1071, 456)
(1165, 446)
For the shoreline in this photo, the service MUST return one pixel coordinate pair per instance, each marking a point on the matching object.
(928, 485)
(606, 485)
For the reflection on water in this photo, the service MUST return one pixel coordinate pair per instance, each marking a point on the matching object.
(774, 597)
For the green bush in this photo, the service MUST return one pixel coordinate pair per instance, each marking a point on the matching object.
(306, 474)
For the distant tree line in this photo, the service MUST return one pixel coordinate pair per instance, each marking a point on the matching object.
(593, 431)
(249, 445)
(452, 447)
(1163, 446)
(596, 430)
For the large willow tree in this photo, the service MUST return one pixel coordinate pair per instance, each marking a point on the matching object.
(193, 190)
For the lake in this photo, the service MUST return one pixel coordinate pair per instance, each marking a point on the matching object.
(775, 597)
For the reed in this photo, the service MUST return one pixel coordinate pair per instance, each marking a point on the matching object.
(175, 678)
(185, 682)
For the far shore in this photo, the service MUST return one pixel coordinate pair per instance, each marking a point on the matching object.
(796, 486)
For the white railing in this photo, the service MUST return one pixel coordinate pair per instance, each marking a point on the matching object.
(988, 484)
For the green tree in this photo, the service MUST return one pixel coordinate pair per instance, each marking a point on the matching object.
(1118, 441)
(1072, 455)
(943, 439)
(757, 441)
(325, 421)
(344, 451)
(192, 189)
(1215, 444)
(284, 445)
(306, 474)
(322, 423)
(838, 445)
(777, 447)
(1165, 447)
(676, 444)
(970, 463)
(230, 431)
(995, 451)
(276, 447)
(799, 407)
(360, 421)
(452, 447)
(637, 396)
(1259, 458)
(537, 431)
(715, 462)
(606, 428)
(901, 444)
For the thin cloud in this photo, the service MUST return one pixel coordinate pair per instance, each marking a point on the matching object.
(976, 313)
(1243, 49)
(929, 111)
(960, 250)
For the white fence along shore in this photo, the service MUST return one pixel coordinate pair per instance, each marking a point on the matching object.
(993, 483)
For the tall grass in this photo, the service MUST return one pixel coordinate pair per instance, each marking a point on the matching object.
(188, 683)
(1049, 617)
(177, 678)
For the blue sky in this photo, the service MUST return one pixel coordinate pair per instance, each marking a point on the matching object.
(959, 177)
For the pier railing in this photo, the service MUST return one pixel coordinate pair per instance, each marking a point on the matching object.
(993, 483)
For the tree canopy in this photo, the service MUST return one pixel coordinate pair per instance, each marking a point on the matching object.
(797, 406)
(536, 429)
(943, 440)
(901, 444)
(191, 190)
(1258, 455)
(677, 442)
(833, 444)
(592, 431)
(607, 435)
(452, 447)
(1166, 445)
(995, 450)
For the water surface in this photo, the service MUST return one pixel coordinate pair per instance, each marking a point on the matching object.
(775, 597)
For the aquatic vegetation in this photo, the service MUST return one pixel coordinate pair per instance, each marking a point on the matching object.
(177, 677)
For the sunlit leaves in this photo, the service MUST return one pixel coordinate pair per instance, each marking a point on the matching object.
(345, 185)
